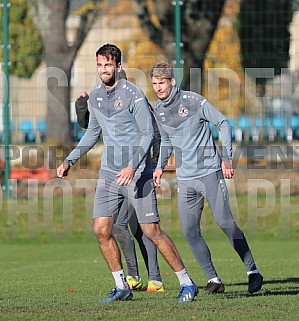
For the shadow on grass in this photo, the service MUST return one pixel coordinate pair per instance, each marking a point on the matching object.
(290, 290)
(281, 281)
(273, 281)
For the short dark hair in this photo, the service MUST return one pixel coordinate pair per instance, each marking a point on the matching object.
(162, 70)
(110, 51)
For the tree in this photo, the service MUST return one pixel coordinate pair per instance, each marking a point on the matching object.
(264, 35)
(199, 21)
(25, 40)
(51, 16)
(224, 53)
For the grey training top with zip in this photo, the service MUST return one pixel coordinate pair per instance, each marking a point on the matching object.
(123, 118)
(183, 119)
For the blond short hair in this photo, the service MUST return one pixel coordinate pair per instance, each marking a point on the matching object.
(162, 70)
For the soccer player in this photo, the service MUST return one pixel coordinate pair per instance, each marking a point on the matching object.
(127, 215)
(120, 112)
(183, 118)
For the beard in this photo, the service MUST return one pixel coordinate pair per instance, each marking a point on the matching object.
(108, 80)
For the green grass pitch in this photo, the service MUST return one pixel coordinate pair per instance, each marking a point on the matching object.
(60, 275)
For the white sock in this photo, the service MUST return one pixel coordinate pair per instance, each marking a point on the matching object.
(184, 277)
(253, 272)
(119, 278)
(215, 280)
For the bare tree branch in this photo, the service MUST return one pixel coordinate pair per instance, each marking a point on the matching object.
(199, 21)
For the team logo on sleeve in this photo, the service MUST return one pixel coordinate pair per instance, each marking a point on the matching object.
(183, 111)
(118, 105)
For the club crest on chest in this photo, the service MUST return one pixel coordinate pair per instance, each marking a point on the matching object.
(183, 111)
(118, 105)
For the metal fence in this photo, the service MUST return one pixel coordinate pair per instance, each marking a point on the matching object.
(28, 106)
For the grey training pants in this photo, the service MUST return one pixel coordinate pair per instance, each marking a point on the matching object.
(191, 195)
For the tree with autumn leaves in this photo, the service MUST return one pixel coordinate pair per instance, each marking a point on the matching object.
(26, 49)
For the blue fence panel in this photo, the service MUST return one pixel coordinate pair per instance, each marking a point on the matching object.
(295, 126)
(41, 127)
(26, 128)
(232, 124)
(215, 132)
(77, 132)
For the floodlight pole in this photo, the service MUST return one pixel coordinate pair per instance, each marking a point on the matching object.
(178, 62)
(6, 115)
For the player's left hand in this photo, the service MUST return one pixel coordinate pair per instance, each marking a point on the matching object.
(227, 169)
(125, 176)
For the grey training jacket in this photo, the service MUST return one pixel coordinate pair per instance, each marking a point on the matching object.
(183, 119)
(123, 118)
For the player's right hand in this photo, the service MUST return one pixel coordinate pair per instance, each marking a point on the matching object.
(125, 176)
(63, 170)
(157, 177)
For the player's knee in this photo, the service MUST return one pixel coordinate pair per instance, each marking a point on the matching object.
(101, 231)
(226, 224)
(152, 231)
